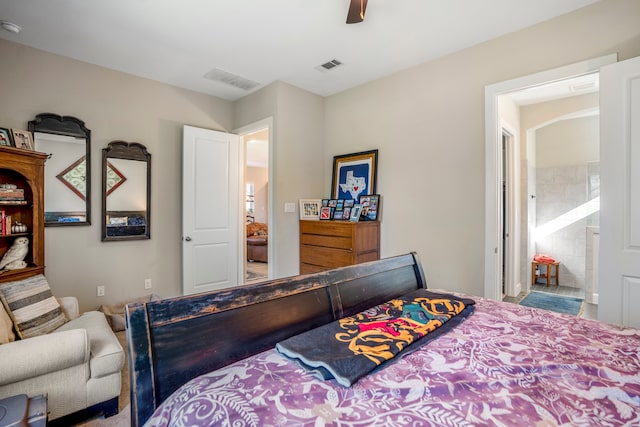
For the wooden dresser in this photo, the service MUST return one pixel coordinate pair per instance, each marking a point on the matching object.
(329, 244)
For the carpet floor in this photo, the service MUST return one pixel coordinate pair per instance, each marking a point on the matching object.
(559, 304)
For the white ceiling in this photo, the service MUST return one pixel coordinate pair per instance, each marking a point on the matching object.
(179, 41)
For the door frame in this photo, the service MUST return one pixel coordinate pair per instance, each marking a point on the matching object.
(510, 254)
(493, 158)
(271, 196)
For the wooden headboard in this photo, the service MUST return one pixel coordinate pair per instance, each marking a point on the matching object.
(174, 340)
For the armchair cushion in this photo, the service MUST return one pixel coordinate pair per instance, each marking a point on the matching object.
(70, 307)
(32, 307)
(107, 355)
(6, 327)
(25, 359)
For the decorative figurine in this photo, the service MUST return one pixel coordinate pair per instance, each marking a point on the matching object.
(13, 259)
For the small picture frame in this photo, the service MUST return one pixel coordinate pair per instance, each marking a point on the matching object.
(310, 209)
(356, 210)
(346, 213)
(370, 207)
(325, 213)
(6, 140)
(22, 139)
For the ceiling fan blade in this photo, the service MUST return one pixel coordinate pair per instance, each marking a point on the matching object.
(356, 11)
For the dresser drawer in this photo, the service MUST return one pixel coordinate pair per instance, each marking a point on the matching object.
(339, 242)
(328, 228)
(330, 244)
(325, 257)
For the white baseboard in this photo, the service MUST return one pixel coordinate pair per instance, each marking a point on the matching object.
(517, 289)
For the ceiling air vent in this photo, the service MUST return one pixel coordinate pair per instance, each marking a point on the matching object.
(329, 65)
(231, 79)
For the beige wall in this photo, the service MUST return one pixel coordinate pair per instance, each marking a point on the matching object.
(569, 142)
(428, 124)
(298, 138)
(539, 115)
(114, 106)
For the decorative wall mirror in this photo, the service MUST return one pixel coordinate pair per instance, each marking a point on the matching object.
(67, 172)
(126, 191)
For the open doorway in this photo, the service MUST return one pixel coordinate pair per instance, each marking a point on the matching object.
(256, 205)
(559, 126)
(257, 195)
(497, 96)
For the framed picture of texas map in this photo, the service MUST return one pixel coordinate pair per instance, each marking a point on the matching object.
(354, 174)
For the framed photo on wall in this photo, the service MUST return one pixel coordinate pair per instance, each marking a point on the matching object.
(6, 139)
(310, 208)
(354, 174)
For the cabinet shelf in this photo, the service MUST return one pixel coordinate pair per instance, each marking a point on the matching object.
(11, 235)
(6, 203)
(23, 273)
(25, 169)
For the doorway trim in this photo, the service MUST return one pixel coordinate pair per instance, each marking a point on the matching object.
(271, 196)
(493, 158)
(510, 253)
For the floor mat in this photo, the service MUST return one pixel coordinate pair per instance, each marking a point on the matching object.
(559, 304)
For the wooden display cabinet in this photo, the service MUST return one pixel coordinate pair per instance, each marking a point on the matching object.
(329, 244)
(25, 169)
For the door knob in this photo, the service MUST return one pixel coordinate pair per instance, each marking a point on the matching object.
(188, 239)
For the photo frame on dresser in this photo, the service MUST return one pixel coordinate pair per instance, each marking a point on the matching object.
(370, 207)
(310, 209)
(354, 174)
(325, 213)
(356, 211)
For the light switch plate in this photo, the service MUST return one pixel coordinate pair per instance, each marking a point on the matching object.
(289, 207)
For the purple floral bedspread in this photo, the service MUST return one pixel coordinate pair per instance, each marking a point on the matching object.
(506, 365)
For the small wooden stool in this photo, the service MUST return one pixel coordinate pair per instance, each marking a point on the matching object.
(549, 274)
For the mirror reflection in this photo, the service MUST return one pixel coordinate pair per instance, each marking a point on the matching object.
(126, 172)
(68, 169)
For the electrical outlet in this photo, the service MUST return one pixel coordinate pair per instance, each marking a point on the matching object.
(147, 283)
(100, 291)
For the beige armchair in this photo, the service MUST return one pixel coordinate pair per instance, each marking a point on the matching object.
(77, 366)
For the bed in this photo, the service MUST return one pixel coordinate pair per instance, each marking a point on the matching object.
(209, 359)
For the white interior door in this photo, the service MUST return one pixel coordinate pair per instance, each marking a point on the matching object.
(619, 278)
(210, 210)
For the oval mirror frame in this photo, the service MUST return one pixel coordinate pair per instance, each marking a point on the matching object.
(72, 178)
(126, 216)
